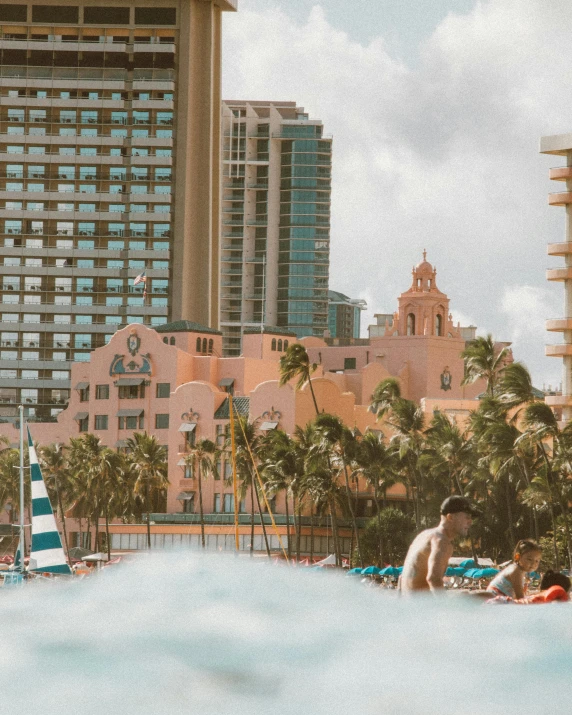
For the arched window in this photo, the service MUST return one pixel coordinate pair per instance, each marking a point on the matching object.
(211, 343)
(198, 345)
(172, 341)
(205, 345)
(166, 340)
(280, 346)
(429, 282)
(419, 282)
(438, 325)
(285, 345)
(411, 324)
(273, 343)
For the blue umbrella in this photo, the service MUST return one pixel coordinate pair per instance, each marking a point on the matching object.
(471, 573)
(468, 564)
(455, 571)
(488, 572)
(390, 571)
(371, 571)
(353, 572)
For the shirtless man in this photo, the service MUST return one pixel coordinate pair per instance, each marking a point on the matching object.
(429, 554)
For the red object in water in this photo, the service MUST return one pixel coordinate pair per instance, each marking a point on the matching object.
(7, 559)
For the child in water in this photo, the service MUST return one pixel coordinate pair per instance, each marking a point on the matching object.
(510, 581)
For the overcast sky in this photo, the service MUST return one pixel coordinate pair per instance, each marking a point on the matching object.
(436, 108)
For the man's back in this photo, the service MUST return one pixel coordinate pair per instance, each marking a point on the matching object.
(431, 543)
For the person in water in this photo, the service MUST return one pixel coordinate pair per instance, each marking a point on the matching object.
(554, 587)
(510, 582)
(429, 554)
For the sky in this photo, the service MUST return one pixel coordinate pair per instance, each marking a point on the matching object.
(436, 109)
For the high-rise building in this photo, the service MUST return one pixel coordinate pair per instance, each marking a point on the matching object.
(275, 220)
(562, 145)
(109, 169)
(344, 315)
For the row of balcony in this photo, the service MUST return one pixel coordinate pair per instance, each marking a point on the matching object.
(140, 74)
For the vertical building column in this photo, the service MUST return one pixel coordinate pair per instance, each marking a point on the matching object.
(195, 272)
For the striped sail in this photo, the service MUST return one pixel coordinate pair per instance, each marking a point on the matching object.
(47, 553)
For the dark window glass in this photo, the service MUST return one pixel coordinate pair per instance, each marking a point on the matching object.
(106, 15)
(204, 345)
(100, 421)
(102, 392)
(162, 421)
(83, 424)
(84, 395)
(211, 344)
(279, 346)
(13, 13)
(163, 389)
(131, 392)
(198, 345)
(273, 343)
(155, 16)
(55, 13)
(349, 363)
(172, 341)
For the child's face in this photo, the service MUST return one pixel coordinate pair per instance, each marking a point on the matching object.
(530, 561)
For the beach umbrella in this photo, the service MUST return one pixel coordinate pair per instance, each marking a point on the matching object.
(371, 571)
(455, 571)
(390, 571)
(468, 564)
(485, 573)
(471, 573)
(354, 572)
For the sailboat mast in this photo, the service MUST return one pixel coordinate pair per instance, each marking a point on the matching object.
(22, 508)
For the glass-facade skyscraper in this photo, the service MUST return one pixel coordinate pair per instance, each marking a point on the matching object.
(275, 239)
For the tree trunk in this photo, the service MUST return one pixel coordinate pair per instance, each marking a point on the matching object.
(352, 513)
(311, 531)
(97, 531)
(298, 518)
(313, 395)
(251, 516)
(509, 513)
(296, 527)
(288, 546)
(379, 534)
(201, 511)
(337, 550)
(107, 531)
(262, 523)
(148, 512)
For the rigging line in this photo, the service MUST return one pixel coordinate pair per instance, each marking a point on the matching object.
(263, 492)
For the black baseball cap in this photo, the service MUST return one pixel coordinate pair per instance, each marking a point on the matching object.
(456, 504)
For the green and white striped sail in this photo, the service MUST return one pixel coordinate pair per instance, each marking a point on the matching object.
(47, 554)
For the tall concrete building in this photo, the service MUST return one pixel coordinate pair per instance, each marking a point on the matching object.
(109, 169)
(275, 233)
(562, 145)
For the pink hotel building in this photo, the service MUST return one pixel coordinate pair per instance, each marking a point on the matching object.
(172, 383)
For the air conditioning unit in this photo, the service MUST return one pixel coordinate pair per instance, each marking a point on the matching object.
(67, 120)
(33, 288)
(60, 288)
(32, 345)
(85, 345)
(36, 176)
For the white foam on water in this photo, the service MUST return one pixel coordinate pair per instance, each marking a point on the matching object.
(181, 633)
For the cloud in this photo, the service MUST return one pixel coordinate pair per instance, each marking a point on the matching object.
(442, 155)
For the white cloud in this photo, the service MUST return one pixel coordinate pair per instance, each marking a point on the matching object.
(442, 156)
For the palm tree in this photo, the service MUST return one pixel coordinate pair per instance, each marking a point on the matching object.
(384, 395)
(377, 464)
(483, 360)
(340, 444)
(202, 459)
(296, 363)
(149, 461)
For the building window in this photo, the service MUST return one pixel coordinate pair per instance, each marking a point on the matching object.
(163, 389)
(102, 392)
(285, 345)
(100, 421)
(273, 344)
(411, 324)
(216, 508)
(131, 392)
(279, 347)
(439, 325)
(162, 421)
(84, 394)
(349, 363)
(131, 422)
(189, 504)
(171, 341)
(204, 345)
(229, 503)
(211, 345)
(198, 345)
(83, 424)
